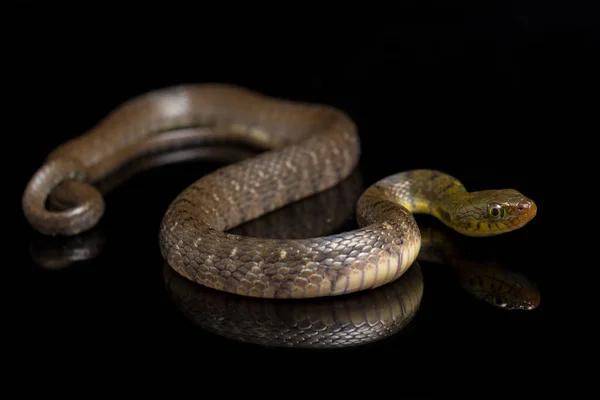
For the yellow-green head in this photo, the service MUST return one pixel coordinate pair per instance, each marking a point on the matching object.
(491, 212)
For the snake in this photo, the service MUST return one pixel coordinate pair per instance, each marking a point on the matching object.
(307, 148)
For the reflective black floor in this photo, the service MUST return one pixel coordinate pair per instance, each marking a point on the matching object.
(471, 99)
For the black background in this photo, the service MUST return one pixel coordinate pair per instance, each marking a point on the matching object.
(478, 93)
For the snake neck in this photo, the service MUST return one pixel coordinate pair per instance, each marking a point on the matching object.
(425, 191)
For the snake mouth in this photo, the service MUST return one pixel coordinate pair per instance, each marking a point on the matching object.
(526, 211)
(532, 303)
(528, 294)
(527, 301)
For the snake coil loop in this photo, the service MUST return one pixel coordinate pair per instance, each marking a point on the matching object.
(71, 221)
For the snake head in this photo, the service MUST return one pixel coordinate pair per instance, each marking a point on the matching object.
(493, 212)
(500, 287)
(515, 301)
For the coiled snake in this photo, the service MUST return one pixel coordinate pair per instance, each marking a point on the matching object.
(308, 148)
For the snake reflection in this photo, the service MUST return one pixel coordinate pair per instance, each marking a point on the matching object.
(348, 320)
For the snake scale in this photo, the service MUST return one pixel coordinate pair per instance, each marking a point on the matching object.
(307, 148)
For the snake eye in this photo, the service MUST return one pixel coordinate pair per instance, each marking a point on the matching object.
(500, 302)
(495, 210)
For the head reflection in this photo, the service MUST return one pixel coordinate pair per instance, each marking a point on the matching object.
(478, 271)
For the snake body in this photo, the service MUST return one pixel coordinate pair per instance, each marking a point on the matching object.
(323, 323)
(308, 149)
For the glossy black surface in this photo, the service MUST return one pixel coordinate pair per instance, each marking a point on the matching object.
(473, 94)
